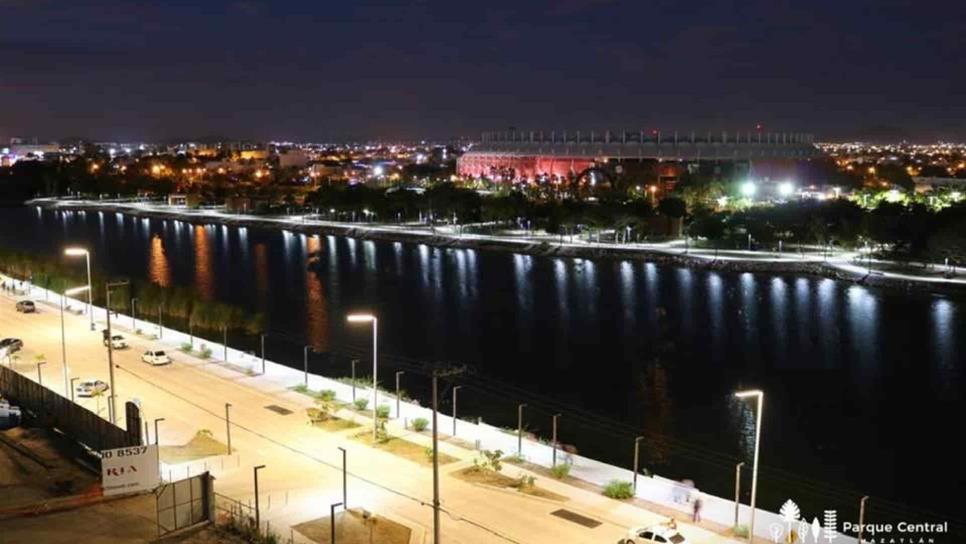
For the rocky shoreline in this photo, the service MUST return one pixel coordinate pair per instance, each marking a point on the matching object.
(540, 249)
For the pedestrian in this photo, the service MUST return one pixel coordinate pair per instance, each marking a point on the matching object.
(696, 514)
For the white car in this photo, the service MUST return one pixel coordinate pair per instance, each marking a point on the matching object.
(117, 342)
(89, 388)
(663, 533)
(156, 357)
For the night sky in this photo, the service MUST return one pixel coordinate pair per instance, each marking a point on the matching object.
(323, 71)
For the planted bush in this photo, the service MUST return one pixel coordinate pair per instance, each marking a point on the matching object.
(382, 412)
(187, 347)
(560, 471)
(205, 352)
(327, 395)
(420, 424)
(617, 489)
(361, 404)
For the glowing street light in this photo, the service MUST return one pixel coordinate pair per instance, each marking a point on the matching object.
(759, 396)
(785, 189)
(369, 318)
(77, 252)
(63, 336)
(748, 189)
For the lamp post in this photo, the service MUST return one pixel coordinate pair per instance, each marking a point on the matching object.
(72, 380)
(637, 458)
(258, 518)
(228, 425)
(40, 375)
(305, 365)
(77, 252)
(455, 389)
(354, 362)
(110, 348)
(63, 336)
(134, 314)
(398, 374)
(738, 490)
(369, 318)
(157, 437)
(862, 517)
(332, 520)
(759, 396)
(263, 354)
(520, 408)
(345, 499)
(554, 439)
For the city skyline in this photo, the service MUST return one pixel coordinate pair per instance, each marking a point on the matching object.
(364, 71)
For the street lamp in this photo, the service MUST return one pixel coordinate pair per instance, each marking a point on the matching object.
(637, 458)
(40, 376)
(72, 380)
(77, 252)
(398, 374)
(520, 408)
(554, 439)
(345, 500)
(63, 336)
(157, 438)
(455, 389)
(110, 348)
(759, 396)
(369, 318)
(257, 512)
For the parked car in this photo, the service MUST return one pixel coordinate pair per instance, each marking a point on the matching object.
(26, 306)
(89, 388)
(156, 357)
(11, 345)
(664, 533)
(117, 341)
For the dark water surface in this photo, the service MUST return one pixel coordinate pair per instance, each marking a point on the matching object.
(864, 386)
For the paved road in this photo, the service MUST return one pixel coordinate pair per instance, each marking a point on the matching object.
(303, 465)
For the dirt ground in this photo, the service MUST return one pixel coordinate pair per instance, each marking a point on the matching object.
(38, 464)
(200, 446)
(351, 527)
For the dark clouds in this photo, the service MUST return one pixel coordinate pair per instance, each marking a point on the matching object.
(393, 69)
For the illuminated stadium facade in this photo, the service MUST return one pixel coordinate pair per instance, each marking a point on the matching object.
(541, 155)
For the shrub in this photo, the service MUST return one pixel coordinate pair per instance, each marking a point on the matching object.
(617, 489)
(526, 482)
(327, 395)
(489, 460)
(516, 458)
(382, 412)
(741, 531)
(187, 347)
(429, 454)
(361, 404)
(560, 471)
(301, 388)
(420, 424)
(205, 352)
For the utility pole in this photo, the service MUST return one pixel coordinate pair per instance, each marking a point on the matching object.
(637, 458)
(110, 349)
(438, 373)
(398, 374)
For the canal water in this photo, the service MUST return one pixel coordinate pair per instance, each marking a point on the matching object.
(864, 386)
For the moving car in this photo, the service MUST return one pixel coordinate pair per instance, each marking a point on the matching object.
(26, 306)
(10, 345)
(117, 341)
(663, 533)
(89, 388)
(156, 357)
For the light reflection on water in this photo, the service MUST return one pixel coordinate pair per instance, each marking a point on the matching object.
(825, 348)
